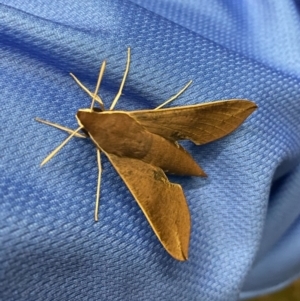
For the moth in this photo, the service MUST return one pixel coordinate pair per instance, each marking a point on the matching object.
(142, 145)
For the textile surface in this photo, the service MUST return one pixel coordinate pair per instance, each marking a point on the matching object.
(245, 215)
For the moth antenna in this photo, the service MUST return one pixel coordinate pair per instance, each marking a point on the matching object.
(60, 127)
(175, 96)
(123, 81)
(101, 72)
(85, 89)
(98, 184)
(56, 150)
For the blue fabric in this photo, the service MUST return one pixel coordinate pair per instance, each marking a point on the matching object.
(245, 215)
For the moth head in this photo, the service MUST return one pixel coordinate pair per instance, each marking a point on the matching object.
(85, 116)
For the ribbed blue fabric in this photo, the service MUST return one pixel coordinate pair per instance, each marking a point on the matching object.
(245, 215)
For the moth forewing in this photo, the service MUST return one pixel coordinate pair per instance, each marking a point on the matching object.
(201, 123)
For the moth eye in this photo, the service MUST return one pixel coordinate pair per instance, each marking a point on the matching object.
(86, 132)
(97, 109)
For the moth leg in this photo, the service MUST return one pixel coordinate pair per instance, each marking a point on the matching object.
(60, 127)
(85, 89)
(100, 76)
(56, 150)
(98, 185)
(123, 81)
(174, 96)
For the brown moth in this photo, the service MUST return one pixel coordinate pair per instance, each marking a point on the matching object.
(142, 146)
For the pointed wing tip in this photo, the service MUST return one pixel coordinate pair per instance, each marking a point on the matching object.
(182, 255)
(251, 105)
(200, 172)
(203, 174)
(180, 251)
(185, 257)
(246, 107)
